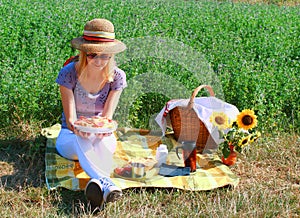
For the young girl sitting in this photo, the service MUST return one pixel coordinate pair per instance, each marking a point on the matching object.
(90, 87)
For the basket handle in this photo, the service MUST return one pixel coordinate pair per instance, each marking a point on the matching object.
(195, 92)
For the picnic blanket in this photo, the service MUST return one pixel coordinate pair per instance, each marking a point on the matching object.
(210, 174)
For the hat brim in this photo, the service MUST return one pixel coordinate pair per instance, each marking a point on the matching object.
(104, 47)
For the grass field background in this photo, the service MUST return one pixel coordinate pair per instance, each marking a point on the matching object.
(253, 51)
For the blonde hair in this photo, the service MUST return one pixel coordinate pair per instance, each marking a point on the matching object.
(108, 69)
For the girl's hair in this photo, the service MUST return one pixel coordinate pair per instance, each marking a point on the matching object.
(108, 69)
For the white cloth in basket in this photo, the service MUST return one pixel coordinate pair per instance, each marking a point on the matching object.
(204, 107)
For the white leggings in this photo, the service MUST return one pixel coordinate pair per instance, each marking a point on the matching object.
(95, 156)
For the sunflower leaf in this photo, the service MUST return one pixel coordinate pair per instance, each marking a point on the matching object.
(225, 151)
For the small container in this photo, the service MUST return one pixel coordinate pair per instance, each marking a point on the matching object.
(161, 154)
(138, 170)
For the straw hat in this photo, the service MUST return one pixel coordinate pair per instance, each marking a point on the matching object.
(98, 36)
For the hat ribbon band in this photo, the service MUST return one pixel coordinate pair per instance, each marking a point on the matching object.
(100, 34)
(97, 39)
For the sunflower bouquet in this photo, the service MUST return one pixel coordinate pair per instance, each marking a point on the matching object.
(236, 134)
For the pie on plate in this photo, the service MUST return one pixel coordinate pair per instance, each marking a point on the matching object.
(95, 124)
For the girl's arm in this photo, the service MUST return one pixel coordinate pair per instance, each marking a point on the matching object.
(68, 103)
(111, 103)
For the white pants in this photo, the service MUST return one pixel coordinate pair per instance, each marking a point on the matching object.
(95, 156)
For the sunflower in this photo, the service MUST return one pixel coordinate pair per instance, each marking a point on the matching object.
(246, 119)
(244, 141)
(219, 119)
(254, 136)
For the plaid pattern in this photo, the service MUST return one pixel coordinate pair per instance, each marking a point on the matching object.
(210, 174)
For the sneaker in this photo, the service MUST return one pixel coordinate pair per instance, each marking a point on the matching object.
(111, 192)
(113, 196)
(94, 194)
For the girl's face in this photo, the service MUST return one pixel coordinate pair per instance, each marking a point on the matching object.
(97, 60)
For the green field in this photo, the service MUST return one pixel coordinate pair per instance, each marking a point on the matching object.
(253, 52)
(249, 53)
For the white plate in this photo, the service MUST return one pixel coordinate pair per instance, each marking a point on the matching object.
(97, 130)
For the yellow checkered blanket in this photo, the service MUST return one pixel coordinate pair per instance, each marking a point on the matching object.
(210, 174)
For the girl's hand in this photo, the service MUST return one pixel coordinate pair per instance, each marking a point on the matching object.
(70, 126)
(81, 134)
(102, 135)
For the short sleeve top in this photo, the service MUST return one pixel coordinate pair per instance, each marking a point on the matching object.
(88, 104)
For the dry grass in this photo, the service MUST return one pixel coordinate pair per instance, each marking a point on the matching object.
(269, 187)
(24, 130)
(275, 2)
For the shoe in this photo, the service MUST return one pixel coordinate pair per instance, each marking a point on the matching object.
(113, 196)
(111, 192)
(94, 194)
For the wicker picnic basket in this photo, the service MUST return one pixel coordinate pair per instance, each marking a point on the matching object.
(186, 124)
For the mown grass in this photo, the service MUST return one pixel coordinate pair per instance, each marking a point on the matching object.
(269, 187)
(270, 2)
(263, 64)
